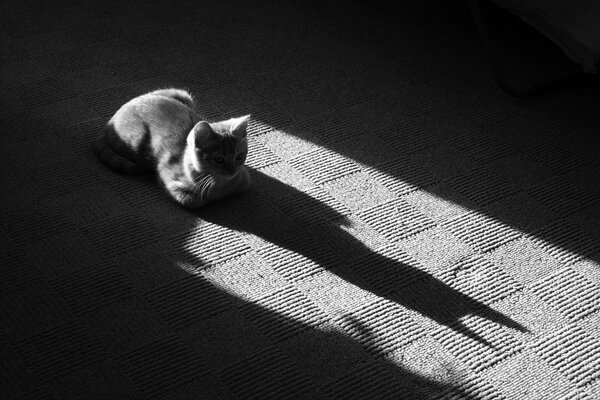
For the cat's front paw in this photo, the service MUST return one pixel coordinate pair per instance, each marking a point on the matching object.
(185, 196)
(244, 181)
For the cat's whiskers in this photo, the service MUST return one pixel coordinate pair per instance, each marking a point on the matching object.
(205, 186)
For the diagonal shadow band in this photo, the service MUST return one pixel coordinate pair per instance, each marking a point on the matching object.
(255, 349)
(300, 230)
(259, 352)
(248, 347)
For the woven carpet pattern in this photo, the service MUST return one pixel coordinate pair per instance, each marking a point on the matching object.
(412, 232)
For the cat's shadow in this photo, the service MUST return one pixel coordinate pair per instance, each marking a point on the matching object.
(294, 220)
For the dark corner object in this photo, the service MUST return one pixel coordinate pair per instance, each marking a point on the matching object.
(576, 37)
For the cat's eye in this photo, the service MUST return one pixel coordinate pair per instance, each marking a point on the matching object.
(240, 157)
(219, 160)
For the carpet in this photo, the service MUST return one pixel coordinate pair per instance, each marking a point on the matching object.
(412, 232)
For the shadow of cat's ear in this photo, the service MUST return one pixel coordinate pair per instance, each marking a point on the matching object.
(199, 133)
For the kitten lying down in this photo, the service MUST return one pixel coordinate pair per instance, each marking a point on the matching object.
(196, 161)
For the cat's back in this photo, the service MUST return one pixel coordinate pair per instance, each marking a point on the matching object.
(165, 111)
(144, 127)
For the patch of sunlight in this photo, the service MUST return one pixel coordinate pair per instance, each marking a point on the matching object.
(336, 271)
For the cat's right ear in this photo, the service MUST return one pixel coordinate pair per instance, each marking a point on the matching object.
(199, 133)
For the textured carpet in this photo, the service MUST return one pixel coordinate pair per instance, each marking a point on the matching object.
(412, 231)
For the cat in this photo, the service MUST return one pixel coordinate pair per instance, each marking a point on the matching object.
(159, 132)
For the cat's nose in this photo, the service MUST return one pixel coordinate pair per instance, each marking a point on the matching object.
(231, 171)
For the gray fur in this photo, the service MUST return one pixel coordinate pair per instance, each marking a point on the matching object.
(196, 161)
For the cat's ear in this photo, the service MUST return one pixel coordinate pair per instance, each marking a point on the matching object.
(239, 125)
(199, 133)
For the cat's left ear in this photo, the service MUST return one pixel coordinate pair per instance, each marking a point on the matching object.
(239, 125)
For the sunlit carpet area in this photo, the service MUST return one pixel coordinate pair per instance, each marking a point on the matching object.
(412, 231)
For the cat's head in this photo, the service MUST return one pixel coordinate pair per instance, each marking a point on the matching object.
(220, 147)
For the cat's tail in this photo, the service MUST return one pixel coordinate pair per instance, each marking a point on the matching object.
(177, 94)
(105, 150)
